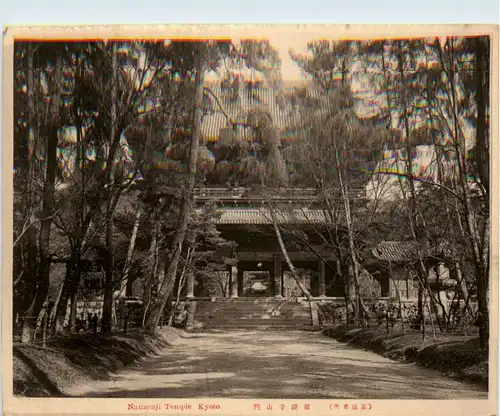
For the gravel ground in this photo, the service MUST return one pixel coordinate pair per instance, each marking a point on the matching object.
(292, 364)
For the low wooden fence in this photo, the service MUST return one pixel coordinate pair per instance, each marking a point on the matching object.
(389, 313)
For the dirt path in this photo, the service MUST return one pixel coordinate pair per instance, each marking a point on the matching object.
(275, 365)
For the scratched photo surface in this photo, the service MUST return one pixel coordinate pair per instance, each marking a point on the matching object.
(279, 218)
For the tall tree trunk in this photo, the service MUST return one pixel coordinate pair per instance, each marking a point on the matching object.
(462, 289)
(71, 281)
(400, 310)
(180, 284)
(165, 292)
(42, 289)
(483, 283)
(152, 269)
(31, 233)
(31, 265)
(482, 165)
(125, 288)
(348, 292)
(412, 203)
(109, 282)
(482, 101)
(74, 300)
(62, 303)
(292, 268)
(73, 272)
(69, 286)
(107, 309)
(420, 323)
(130, 253)
(478, 240)
(359, 305)
(386, 88)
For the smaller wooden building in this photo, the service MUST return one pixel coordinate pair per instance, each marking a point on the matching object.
(395, 267)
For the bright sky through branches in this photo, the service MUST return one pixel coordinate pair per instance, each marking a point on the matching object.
(289, 69)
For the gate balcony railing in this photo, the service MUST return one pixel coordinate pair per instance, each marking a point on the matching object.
(275, 194)
(247, 193)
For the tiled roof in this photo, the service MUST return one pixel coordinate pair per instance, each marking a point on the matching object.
(399, 251)
(263, 216)
(237, 105)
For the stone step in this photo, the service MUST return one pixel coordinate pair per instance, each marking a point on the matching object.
(248, 308)
(255, 327)
(255, 315)
(249, 324)
(241, 302)
(253, 302)
(247, 300)
(291, 320)
(253, 321)
(256, 307)
(252, 313)
(252, 328)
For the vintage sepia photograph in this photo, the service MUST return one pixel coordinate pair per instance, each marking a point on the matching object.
(286, 217)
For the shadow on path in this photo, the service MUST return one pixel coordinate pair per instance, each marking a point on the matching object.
(42, 378)
(276, 365)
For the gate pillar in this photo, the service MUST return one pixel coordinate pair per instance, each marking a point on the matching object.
(190, 285)
(278, 277)
(234, 281)
(321, 278)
